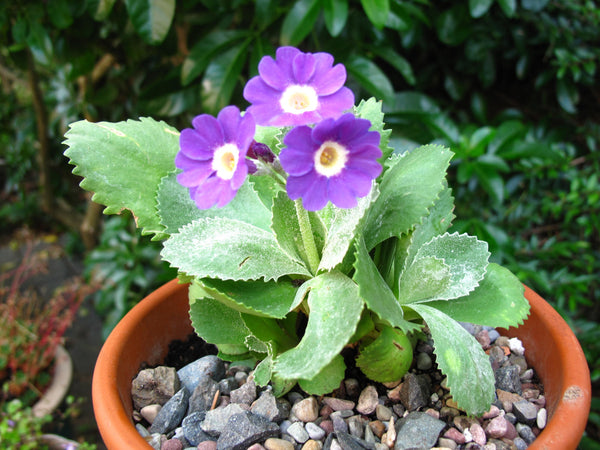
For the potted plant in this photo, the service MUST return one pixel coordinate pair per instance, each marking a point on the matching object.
(299, 212)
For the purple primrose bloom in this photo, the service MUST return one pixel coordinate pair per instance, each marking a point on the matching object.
(213, 156)
(334, 161)
(297, 88)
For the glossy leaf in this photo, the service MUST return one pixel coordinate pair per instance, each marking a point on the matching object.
(221, 77)
(478, 8)
(460, 357)
(230, 250)
(508, 6)
(135, 157)
(336, 15)
(205, 50)
(377, 11)
(299, 21)
(151, 18)
(397, 61)
(59, 13)
(371, 77)
(100, 9)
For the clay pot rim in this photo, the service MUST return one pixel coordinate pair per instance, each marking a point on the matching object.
(568, 409)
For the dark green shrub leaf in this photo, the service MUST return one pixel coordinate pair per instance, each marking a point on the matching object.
(299, 21)
(370, 77)
(151, 18)
(478, 8)
(336, 15)
(377, 11)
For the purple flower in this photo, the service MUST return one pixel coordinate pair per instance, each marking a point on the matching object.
(334, 161)
(297, 88)
(213, 156)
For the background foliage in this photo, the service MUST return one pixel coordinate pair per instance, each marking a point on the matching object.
(510, 85)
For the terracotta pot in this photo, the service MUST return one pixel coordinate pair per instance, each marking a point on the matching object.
(143, 335)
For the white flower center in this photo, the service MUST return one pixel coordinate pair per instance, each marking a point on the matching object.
(298, 99)
(225, 161)
(330, 159)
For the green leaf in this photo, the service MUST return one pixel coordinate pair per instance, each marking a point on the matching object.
(269, 330)
(176, 208)
(299, 22)
(460, 357)
(336, 15)
(497, 302)
(413, 103)
(508, 6)
(397, 61)
(387, 358)
(376, 293)
(151, 18)
(370, 77)
(425, 279)
(335, 309)
(59, 13)
(534, 5)
(221, 77)
(407, 190)
(123, 163)
(213, 321)
(265, 299)
(377, 11)
(478, 8)
(371, 110)
(465, 258)
(327, 380)
(100, 9)
(205, 50)
(230, 250)
(507, 131)
(567, 95)
(342, 231)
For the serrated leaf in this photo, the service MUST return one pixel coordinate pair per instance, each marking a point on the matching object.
(335, 309)
(387, 358)
(270, 330)
(230, 250)
(376, 293)
(151, 18)
(327, 380)
(123, 163)
(460, 357)
(465, 258)
(498, 301)
(213, 321)
(407, 190)
(425, 279)
(371, 110)
(176, 208)
(253, 297)
(221, 77)
(299, 21)
(205, 50)
(342, 231)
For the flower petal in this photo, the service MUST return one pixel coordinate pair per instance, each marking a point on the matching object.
(272, 74)
(340, 193)
(333, 105)
(229, 118)
(210, 129)
(330, 81)
(194, 145)
(303, 68)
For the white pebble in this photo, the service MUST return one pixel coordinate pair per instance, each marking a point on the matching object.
(516, 346)
(149, 412)
(542, 417)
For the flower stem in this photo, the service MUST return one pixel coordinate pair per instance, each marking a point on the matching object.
(308, 240)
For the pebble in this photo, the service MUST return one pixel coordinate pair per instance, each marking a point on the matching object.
(171, 414)
(210, 365)
(417, 407)
(154, 386)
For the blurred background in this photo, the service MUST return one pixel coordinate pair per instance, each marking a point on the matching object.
(511, 86)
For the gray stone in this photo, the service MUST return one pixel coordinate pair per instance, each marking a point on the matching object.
(368, 400)
(415, 391)
(339, 424)
(493, 333)
(270, 407)
(170, 415)
(216, 419)
(525, 412)
(245, 394)
(383, 413)
(417, 430)
(520, 443)
(349, 442)
(154, 386)
(192, 428)
(314, 431)
(297, 431)
(356, 426)
(203, 395)
(226, 385)
(244, 429)
(207, 365)
(424, 361)
(525, 432)
(507, 379)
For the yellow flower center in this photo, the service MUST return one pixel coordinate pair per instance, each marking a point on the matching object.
(330, 159)
(298, 99)
(225, 160)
